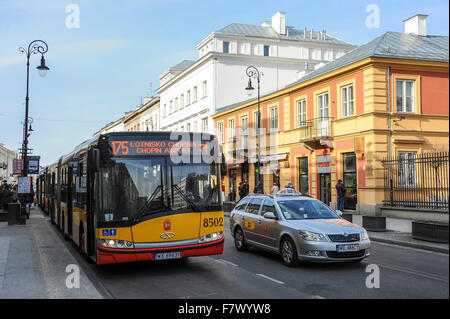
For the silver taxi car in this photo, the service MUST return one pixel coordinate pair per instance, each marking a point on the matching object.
(297, 227)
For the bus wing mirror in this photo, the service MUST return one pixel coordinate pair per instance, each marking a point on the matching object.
(94, 159)
(223, 167)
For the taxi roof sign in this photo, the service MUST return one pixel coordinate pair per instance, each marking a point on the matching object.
(288, 192)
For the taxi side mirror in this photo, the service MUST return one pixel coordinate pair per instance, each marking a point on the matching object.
(269, 215)
(339, 213)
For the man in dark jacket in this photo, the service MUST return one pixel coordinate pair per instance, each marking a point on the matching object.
(340, 195)
(7, 196)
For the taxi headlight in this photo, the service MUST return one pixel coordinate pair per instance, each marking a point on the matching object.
(211, 237)
(364, 235)
(308, 235)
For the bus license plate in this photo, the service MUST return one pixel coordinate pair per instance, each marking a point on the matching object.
(345, 248)
(171, 255)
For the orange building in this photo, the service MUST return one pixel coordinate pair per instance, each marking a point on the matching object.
(389, 97)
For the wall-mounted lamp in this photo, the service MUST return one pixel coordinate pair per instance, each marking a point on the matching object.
(400, 118)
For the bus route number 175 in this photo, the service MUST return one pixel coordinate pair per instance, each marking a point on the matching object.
(212, 222)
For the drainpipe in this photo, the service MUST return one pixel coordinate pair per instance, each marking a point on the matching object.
(391, 193)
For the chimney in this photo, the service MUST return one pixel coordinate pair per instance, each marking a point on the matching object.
(416, 24)
(265, 24)
(279, 22)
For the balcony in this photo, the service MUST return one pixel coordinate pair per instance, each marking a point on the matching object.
(316, 133)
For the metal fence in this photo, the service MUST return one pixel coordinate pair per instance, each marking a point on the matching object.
(417, 181)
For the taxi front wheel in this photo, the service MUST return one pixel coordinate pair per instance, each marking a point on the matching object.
(288, 252)
(239, 240)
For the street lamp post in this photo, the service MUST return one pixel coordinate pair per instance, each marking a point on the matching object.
(36, 46)
(253, 72)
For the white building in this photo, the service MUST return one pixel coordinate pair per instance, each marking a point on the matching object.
(192, 90)
(6, 163)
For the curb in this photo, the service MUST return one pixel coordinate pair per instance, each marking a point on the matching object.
(410, 245)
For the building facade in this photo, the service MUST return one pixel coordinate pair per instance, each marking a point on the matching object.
(387, 98)
(192, 91)
(6, 163)
(144, 118)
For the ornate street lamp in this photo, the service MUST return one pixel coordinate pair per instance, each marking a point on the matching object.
(253, 72)
(36, 46)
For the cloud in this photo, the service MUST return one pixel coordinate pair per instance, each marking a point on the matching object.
(14, 57)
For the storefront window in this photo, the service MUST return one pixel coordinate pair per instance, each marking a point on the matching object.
(350, 181)
(303, 177)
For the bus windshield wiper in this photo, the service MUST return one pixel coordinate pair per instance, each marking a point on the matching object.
(190, 202)
(149, 202)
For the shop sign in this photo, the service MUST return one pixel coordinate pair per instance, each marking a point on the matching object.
(323, 164)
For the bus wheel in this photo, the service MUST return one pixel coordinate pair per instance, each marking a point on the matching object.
(239, 240)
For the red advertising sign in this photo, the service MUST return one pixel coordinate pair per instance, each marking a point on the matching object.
(17, 167)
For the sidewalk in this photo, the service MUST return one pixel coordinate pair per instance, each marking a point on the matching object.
(33, 261)
(401, 239)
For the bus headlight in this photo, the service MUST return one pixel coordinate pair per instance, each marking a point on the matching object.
(112, 243)
(211, 237)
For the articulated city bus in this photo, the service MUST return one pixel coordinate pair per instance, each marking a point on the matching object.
(132, 196)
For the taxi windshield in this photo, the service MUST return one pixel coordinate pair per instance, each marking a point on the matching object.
(305, 209)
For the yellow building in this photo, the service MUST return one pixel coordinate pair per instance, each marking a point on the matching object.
(387, 98)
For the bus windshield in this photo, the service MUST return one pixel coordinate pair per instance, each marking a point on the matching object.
(132, 188)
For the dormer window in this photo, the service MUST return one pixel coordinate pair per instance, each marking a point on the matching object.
(226, 47)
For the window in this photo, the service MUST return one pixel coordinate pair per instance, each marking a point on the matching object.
(274, 119)
(347, 101)
(304, 53)
(176, 104)
(242, 204)
(182, 129)
(269, 207)
(188, 127)
(195, 126)
(170, 108)
(205, 124)
(244, 127)
(181, 101)
(266, 50)
(254, 205)
(328, 55)
(220, 132)
(303, 175)
(194, 98)
(407, 169)
(405, 95)
(350, 180)
(322, 114)
(188, 97)
(231, 128)
(316, 54)
(301, 113)
(165, 110)
(226, 46)
(204, 89)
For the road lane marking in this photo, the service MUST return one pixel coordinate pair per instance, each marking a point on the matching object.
(409, 271)
(270, 278)
(228, 262)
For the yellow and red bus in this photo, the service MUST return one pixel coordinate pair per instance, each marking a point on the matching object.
(134, 196)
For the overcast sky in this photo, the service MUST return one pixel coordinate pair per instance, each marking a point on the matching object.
(103, 68)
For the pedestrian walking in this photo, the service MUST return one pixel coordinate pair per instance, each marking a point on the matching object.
(340, 195)
(290, 186)
(7, 196)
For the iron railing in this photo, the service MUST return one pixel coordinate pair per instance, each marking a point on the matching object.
(417, 181)
(316, 128)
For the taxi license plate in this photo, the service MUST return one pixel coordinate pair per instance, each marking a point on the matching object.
(171, 255)
(345, 248)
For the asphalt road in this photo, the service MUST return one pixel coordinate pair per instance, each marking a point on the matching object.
(256, 274)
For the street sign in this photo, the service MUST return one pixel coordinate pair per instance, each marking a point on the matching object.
(17, 167)
(24, 185)
(33, 165)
